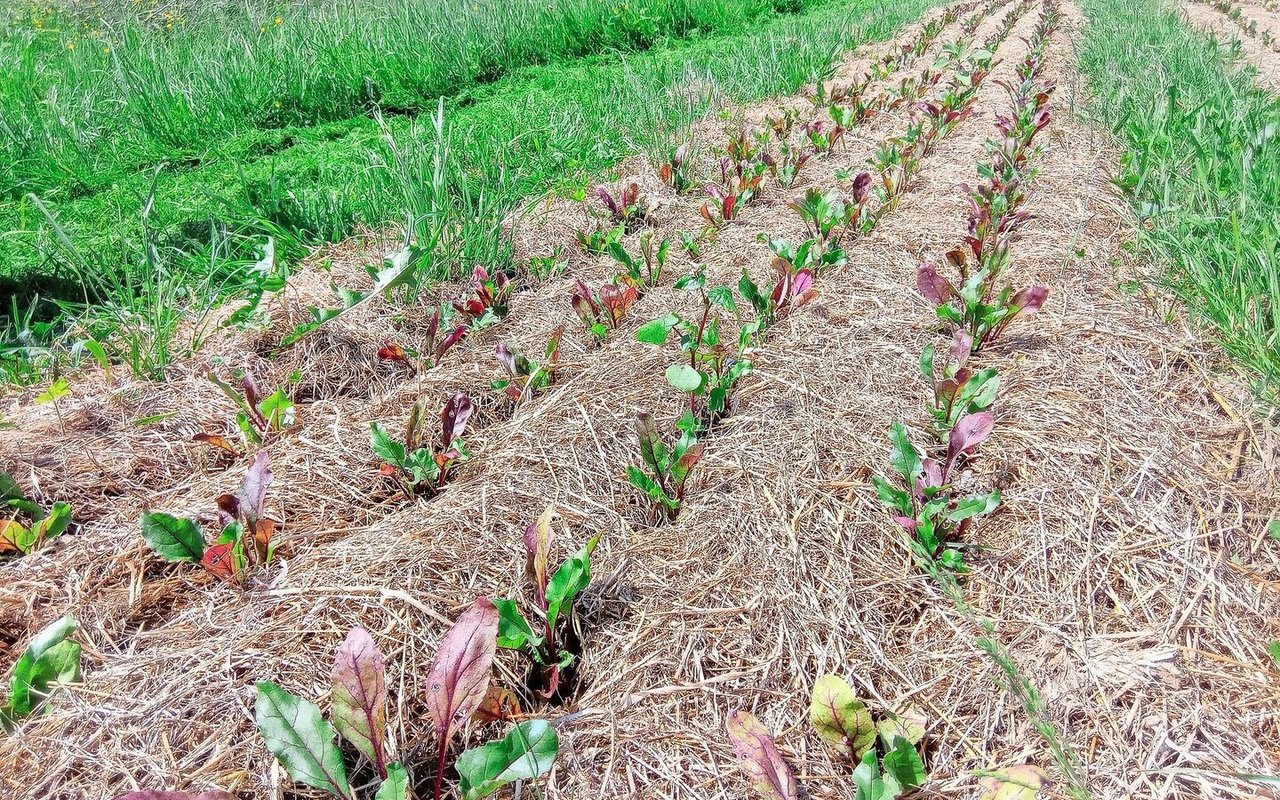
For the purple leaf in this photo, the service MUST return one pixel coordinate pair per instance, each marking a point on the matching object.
(458, 678)
(1029, 301)
(506, 358)
(935, 288)
(961, 346)
(452, 338)
(968, 433)
(537, 546)
(360, 697)
(759, 758)
(861, 187)
(254, 488)
(457, 410)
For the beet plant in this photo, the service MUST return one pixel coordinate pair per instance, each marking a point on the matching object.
(257, 416)
(422, 464)
(823, 138)
(676, 171)
(758, 757)
(884, 750)
(489, 301)
(28, 526)
(742, 171)
(246, 535)
(791, 156)
(823, 212)
(713, 368)
(597, 240)
(549, 637)
(604, 311)
(646, 271)
(433, 350)
(925, 504)
(306, 744)
(525, 378)
(975, 306)
(668, 467)
(52, 658)
(957, 390)
(626, 209)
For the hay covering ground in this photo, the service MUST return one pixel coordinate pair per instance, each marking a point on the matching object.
(1263, 57)
(1128, 570)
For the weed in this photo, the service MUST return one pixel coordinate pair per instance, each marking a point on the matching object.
(646, 272)
(257, 416)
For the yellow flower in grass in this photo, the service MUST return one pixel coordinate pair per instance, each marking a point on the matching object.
(279, 20)
(71, 45)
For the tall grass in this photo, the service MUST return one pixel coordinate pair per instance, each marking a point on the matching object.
(1202, 166)
(89, 95)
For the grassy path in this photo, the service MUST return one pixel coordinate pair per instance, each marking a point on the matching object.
(1201, 166)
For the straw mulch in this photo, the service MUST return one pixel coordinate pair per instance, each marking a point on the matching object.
(1265, 59)
(1128, 571)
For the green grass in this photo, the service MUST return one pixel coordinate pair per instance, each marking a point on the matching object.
(1202, 166)
(538, 128)
(93, 95)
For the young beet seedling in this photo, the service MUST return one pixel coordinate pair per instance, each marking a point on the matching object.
(41, 525)
(605, 310)
(434, 348)
(551, 647)
(669, 468)
(713, 369)
(597, 240)
(961, 391)
(488, 304)
(257, 418)
(675, 172)
(51, 658)
(974, 306)
(927, 508)
(645, 273)
(418, 465)
(626, 208)
(525, 378)
(306, 744)
(245, 541)
(887, 768)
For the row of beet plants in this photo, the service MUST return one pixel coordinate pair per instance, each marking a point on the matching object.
(882, 750)
(1249, 25)
(712, 362)
(978, 305)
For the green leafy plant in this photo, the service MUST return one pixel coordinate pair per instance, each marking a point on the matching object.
(713, 369)
(597, 240)
(626, 208)
(546, 267)
(52, 657)
(246, 538)
(57, 390)
(926, 505)
(420, 465)
(668, 468)
(258, 416)
(550, 640)
(646, 271)
(886, 768)
(974, 306)
(489, 301)
(957, 390)
(742, 170)
(604, 310)
(525, 378)
(527, 752)
(29, 526)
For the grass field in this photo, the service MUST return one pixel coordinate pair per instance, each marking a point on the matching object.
(646, 399)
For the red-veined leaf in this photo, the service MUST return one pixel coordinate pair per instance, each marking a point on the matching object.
(459, 676)
(216, 440)
(759, 758)
(219, 560)
(935, 288)
(453, 418)
(360, 697)
(253, 490)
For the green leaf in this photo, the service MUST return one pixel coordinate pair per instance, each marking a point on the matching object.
(685, 378)
(926, 363)
(514, 631)
(99, 353)
(50, 657)
(897, 499)
(1274, 529)
(396, 786)
(10, 490)
(57, 390)
(171, 538)
(277, 409)
(569, 580)
(902, 764)
(656, 332)
(53, 524)
(839, 717)
(905, 458)
(974, 506)
(909, 725)
(528, 752)
(647, 485)
(723, 297)
(1274, 650)
(385, 447)
(867, 779)
(299, 737)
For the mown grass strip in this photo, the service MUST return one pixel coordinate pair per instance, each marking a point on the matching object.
(1201, 166)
